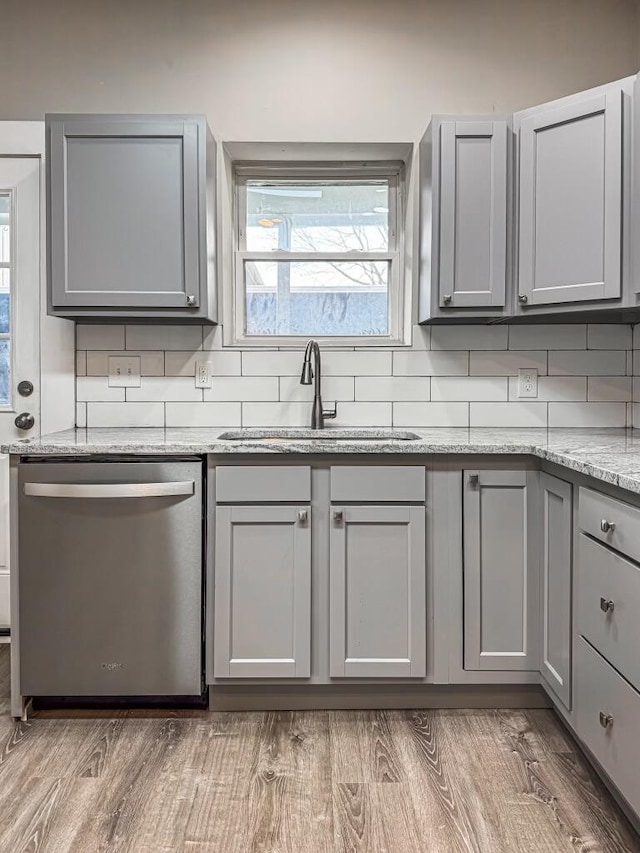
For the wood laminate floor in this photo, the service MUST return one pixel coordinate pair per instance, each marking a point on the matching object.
(300, 782)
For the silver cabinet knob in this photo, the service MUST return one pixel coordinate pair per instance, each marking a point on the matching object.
(606, 605)
(338, 516)
(191, 301)
(446, 300)
(25, 420)
(474, 479)
(606, 720)
(523, 298)
(303, 516)
(607, 526)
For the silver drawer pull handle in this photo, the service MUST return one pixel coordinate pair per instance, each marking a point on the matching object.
(303, 516)
(607, 526)
(338, 516)
(606, 720)
(606, 605)
(109, 490)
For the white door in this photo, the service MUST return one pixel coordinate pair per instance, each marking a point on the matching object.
(20, 258)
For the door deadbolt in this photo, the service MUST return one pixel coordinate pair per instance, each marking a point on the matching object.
(25, 388)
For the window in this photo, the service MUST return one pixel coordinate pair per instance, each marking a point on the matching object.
(317, 254)
(5, 303)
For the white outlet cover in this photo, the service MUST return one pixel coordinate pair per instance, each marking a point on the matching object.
(203, 374)
(528, 382)
(124, 371)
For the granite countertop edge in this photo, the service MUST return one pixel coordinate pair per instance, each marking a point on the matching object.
(609, 455)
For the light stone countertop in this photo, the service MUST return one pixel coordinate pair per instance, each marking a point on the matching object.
(610, 455)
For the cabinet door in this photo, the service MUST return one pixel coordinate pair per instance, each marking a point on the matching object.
(500, 571)
(377, 596)
(262, 570)
(473, 214)
(570, 185)
(125, 212)
(555, 563)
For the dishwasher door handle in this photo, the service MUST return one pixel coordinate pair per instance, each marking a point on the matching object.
(109, 490)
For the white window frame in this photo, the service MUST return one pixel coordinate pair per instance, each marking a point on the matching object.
(10, 265)
(330, 173)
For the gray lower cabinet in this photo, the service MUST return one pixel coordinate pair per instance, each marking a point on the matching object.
(377, 592)
(501, 599)
(464, 217)
(262, 613)
(130, 216)
(571, 198)
(556, 525)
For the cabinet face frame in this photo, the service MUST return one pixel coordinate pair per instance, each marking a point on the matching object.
(414, 664)
(477, 486)
(556, 583)
(609, 104)
(190, 290)
(495, 134)
(297, 520)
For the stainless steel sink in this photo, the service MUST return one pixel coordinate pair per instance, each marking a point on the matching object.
(330, 434)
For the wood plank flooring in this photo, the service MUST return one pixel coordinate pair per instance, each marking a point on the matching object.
(300, 782)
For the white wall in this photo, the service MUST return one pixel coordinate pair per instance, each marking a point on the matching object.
(302, 70)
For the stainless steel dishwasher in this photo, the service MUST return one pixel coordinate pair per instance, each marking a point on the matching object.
(110, 561)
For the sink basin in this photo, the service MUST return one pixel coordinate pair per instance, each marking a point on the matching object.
(329, 434)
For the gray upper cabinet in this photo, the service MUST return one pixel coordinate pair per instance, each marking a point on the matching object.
(262, 613)
(464, 211)
(572, 200)
(377, 592)
(130, 217)
(500, 570)
(556, 524)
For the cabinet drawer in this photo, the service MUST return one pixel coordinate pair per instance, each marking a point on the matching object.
(614, 522)
(600, 690)
(379, 483)
(263, 484)
(608, 606)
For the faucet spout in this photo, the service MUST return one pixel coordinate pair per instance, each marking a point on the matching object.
(314, 372)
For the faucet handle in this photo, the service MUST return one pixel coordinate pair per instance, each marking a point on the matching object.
(330, 413)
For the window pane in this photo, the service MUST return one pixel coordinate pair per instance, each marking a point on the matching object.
(317, 298)
(4, 373)
(5, 233)
(317, 217)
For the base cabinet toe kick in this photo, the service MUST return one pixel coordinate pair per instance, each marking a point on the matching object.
(334, 581)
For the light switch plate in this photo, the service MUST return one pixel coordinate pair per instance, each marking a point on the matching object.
(528, 382)
(124, 371)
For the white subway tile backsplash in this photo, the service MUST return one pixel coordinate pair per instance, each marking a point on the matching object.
(469, 388)
(203, 414)
(608, 336)
(588, 363)
(162, 337)
(125, 414)
(151, 363)
(333, 388)
(554, 388)
(610, 388)
(81, 415)
(469, 337)
(275, 414)
(241, 388)
(441, 414)
(97, 388)
(552, 336)
(89, 336)
(81, 363)
(364, 414)
(271, 363)
(587, 414)
(165, 389)
(506, 363)
(392, 388)
(336, 363)
(184, 363)
(408, 363)
(530, 414)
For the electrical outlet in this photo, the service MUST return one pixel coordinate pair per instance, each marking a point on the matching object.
(528, 382)
(203, 374)
(124, 371)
